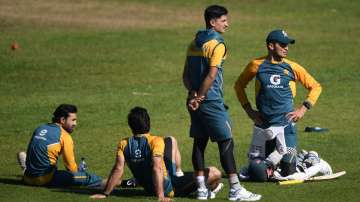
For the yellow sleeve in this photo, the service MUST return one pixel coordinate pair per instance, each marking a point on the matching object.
(67, 145)
(308, 82)
(245, 77)
(157, 146)
(218, 55)
(121, 147)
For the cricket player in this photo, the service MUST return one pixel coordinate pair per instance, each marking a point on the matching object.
(203, 79)
(308, 164)
(47, 143)
(151, 162)
(276, 77)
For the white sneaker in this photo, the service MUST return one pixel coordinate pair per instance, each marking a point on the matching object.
(325, 168)
(21, 157)
(243, 195)
(204, 194)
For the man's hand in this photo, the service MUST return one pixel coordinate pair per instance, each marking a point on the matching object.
(253, 114)
(256, 117)
(194, 101)
(193, 105)
(297, 114)
(98, 196)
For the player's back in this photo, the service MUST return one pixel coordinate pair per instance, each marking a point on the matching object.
(43, 150)
(138, 157)
(138, 153)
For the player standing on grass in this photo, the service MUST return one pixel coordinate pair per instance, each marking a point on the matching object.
(276, 78)
(203, 78)
(48, 142)
(153, 162)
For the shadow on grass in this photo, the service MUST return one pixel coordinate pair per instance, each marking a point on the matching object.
(117, 192)
(11, 181)
(120, 192)
(123, 192)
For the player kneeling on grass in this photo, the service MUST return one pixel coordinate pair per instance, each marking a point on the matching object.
(154, 162)
(47, 143)
(308, 164)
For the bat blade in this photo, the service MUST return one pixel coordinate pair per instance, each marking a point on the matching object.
(316, 178)
(328, 177)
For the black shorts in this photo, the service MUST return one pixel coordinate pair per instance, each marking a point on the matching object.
(184, 185)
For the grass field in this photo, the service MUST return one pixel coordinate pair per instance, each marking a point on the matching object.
(109, 56)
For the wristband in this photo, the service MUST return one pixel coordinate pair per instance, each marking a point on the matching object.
(307, 104)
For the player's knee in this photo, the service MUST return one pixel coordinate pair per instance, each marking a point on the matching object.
(173, 140)
(214, 173)
(227, 156)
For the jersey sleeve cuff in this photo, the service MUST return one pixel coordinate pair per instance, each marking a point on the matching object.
(307, 104)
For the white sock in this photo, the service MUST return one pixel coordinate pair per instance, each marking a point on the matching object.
(234, 182)
(201, 182)
(179, 173)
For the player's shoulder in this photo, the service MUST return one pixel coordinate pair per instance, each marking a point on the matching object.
(154, 138)
(49, 127)
(124, 140)
(292, 63)
(257, 61)
(254, 64)
(214, 45)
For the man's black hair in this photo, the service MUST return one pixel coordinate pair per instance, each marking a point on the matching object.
(139, 120)
(214, 12)
(62, 111)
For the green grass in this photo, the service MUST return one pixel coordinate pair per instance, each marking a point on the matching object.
(106, 58)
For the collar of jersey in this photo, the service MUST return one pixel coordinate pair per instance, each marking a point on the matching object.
(142, 135)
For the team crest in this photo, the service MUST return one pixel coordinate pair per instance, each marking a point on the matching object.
(286, 72)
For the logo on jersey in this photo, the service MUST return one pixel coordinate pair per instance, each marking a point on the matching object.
(138, 153)
(137, 156)
(275, 80)
(41, 134)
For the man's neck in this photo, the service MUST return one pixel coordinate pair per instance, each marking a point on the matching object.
(274, 59)
(140, 135)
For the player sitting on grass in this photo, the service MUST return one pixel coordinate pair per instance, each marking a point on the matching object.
(151, 162)
(47, 143)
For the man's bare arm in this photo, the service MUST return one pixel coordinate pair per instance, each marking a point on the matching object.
(114, 178)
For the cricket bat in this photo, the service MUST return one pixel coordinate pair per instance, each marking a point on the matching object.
(312, 179)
